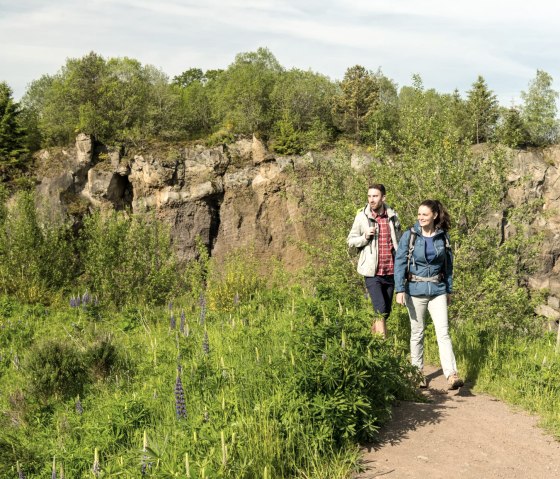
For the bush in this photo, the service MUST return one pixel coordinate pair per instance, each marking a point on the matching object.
(128, 259)
(55, 370)
(36, 256)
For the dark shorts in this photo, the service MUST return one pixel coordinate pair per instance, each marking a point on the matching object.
(380, 290)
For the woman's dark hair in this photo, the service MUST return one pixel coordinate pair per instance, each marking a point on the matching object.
(443, 220)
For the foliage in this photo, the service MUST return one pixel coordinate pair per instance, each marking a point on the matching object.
(127, 259)
(511, 130)
(240, 96)
(539, 110)
(35, 251)
(113, 100)
(262, 397)
(55, 370)
(13, 152)
(482, 108)
(365, 104)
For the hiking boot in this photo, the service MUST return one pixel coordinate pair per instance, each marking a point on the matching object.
(454, 381)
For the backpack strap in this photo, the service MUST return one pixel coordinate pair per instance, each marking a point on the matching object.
(443, 273)
(411, 241)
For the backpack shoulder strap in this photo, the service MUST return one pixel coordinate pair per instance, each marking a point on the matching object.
(411, 242)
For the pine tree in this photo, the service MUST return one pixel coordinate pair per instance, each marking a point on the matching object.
(511, 130)
(483, 111)
(12, 135)
(539, 110)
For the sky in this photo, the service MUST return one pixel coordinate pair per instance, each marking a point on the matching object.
(448, 43)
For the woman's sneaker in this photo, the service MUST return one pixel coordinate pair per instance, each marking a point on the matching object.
(454, 381)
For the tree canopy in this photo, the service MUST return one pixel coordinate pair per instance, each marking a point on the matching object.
(120, 101)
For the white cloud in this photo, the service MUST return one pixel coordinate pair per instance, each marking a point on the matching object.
(448, 43)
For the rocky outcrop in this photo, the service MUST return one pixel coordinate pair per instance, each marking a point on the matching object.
(534, 181)
(242, 195)
(229, 196)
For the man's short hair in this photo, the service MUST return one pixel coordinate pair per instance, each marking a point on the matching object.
(377, 186)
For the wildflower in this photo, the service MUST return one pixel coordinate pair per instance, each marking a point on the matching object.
(170, 305)
(172, 322)
(96, 468)
(180, 407)
(85, 298)
(79, 407)
(202, 310)
(182, 322)
(206, 343)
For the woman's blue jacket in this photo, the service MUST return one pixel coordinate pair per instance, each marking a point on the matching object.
(420, 266)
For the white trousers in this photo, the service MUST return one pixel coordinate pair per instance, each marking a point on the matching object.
(437, 306)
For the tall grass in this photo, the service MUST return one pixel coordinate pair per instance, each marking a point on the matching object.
(273, 379)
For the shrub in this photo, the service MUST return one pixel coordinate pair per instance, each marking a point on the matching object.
(128, 259)
(55, 370)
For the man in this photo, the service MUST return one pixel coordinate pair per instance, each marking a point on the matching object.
(376, 232)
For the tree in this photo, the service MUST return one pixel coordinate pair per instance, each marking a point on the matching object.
(483, 111)
(511, 130)
(539, 110)
(359, 94)
(240, 96)
(189, 76)
(12, 135)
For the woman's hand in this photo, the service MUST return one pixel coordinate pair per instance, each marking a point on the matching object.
(400, 298)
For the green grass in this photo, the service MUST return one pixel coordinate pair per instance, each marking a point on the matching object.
(290, 385)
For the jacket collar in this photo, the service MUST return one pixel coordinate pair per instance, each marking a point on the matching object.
(418, 230)
(388, 209)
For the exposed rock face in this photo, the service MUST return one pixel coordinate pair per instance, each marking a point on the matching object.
(535, 177)
(242, 195)
(233, 196)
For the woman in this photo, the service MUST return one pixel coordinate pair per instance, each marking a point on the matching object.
(424, 280)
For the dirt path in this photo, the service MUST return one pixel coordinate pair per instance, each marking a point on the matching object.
(461, 434)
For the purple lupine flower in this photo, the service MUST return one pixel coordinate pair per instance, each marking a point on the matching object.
(79, 407)
(172, 322)
(206, 343)
(180, 407)
(182, 322)
(202, 310)
(85, 298)
(170, 305)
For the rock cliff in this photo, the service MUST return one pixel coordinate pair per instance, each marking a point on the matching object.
(241, 195)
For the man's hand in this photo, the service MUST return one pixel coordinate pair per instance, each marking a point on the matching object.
(400, 298)
(370, 232)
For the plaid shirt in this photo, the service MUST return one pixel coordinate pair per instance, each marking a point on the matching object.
(385, 261)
